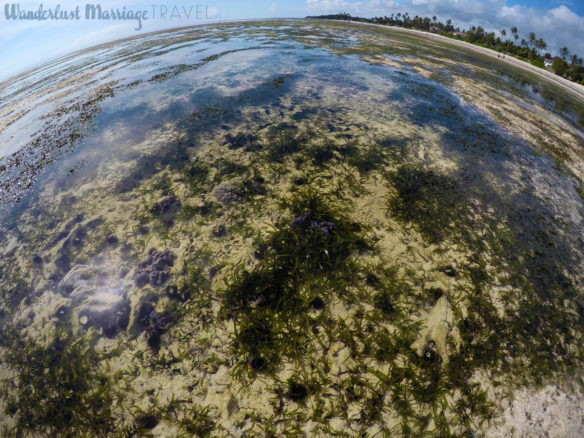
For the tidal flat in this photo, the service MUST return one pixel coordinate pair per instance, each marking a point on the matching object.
(290, 228)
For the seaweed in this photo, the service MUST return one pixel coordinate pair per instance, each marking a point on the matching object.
(197, 421)
(277, 82)
(58, 390)
(283, 140)
(433, 202)
(368, 158)
(270, 303)
(240, 140)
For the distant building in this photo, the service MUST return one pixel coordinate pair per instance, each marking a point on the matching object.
(460, 34)
(549, 61)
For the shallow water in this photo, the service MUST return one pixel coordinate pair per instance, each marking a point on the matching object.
(241, 228)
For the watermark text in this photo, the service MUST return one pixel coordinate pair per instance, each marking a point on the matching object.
(94, 11)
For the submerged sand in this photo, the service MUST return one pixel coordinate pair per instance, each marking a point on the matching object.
(452, 192)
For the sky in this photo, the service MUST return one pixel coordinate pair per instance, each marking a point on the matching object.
(26, 43)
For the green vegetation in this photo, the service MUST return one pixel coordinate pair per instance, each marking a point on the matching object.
(196, 421)
(270, 305)
(283, 140)
(58, 390)
(277, 82)
(527, 50)
(426, 198)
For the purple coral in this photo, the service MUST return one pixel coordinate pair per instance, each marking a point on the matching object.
(324, 227)
(299, 221)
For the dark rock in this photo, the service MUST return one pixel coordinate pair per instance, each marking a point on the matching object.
(304, 221)
(144, 311)
(63, 261)
(60, 236)
(66, 289)
(296, 391)
(260, 252)
(238, 141)
(142, 279)
(205, 209)
(143, 230)
(228, 192)
(94, 223)
(258, 363)
(158, 326)
(155, 270)
(111, 241)
(435, 294)
(371, 280)
(111, 321)
(219, 231)
(63, 312)
(77, 239)
(253, 147)
(37, 260)
(212, 272)
(449, 271)
(430, 353)
(172, 291)
(159, 321)
(168, 206)
(317, 304)
(147, 422)
(256, 186)
(182, 295)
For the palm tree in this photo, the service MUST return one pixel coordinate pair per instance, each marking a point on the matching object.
(524, 43)
(575, 60)
(532, 39)
(541, 44)
(503, 32)
(514, 32)
(564, 52)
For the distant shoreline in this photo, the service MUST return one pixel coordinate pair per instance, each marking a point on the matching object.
(574, 88)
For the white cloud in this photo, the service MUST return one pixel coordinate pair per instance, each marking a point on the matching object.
(213, 12)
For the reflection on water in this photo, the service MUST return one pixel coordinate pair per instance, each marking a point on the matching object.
(236, 229)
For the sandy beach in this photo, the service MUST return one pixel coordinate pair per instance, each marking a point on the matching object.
(576, 89)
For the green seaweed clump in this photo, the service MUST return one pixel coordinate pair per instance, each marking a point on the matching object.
(431, 201)
(270, 304)
(367, 159)
(283, 140)
(57, 391)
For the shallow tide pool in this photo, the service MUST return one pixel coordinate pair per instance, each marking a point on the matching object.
(289, 228)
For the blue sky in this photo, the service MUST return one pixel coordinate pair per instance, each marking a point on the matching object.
(26, 43)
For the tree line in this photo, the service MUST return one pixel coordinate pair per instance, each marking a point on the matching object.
(530, 49)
